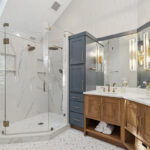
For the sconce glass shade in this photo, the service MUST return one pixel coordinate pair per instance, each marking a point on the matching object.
(141, 56)
(100, 58)
(146, 51)
(133, 54)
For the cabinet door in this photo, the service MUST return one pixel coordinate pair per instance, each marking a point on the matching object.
(92, 107)
(110, 110)
(77, 82)
(77, 49)
(144, 123)
(132, 115)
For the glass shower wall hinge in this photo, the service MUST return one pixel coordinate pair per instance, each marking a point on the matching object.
(6, 123)
(5, 41)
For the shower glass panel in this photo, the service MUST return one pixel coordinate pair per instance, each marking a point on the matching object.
(58, 117)
(26, 87)
(2, 83)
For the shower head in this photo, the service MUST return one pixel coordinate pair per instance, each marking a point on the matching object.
(55, 47)
(31, 48)
(60, 71)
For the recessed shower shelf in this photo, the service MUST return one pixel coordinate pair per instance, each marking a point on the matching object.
(40, 59)
(9, 70)
(40, 72)
(7, 54)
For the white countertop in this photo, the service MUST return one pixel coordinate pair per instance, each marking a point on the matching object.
(132, 94)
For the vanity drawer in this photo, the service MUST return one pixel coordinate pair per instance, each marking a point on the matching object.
(76, 107)
(76, 119)
(76, 97)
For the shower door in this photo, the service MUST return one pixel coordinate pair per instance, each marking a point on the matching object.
(26, 90)
(2, 83)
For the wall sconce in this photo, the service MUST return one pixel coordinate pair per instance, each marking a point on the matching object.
(146, 51)
(100, 58)
(133, 54)
(141, 56)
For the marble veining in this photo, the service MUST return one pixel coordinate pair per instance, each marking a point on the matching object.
(133, 94)
(25, 97)
(68, 140)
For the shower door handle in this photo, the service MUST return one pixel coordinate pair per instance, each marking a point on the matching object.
(44, 84)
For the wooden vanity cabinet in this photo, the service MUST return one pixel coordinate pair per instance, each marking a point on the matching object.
(131, 120)
(144, 123)
(110, 110)
(132, 117)
(92, 107)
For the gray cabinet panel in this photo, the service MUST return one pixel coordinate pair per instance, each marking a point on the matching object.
(76, 97)
(76, 119)
(76, 107)
(77, 50)
(77, 81)
(80, 49)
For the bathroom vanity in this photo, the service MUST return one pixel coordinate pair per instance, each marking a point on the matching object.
(121, 60)
(130, 117)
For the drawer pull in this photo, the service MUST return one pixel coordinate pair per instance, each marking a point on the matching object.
(75, 97)
(76, 119)
(76, 107)
(82, 56)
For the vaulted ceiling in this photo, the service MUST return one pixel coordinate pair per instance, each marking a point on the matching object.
(31, 17)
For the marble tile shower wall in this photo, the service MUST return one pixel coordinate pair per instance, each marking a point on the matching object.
(24, 80)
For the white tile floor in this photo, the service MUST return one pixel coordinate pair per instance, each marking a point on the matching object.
(30, 125)
(68, 140)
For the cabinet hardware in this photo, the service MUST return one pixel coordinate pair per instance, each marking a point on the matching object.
(76, 119)
(5, 123)
(5, 41)
(76, 107)
(82, 85)
(92, 69)
(75, 97)
(44, 84)
(82, 56)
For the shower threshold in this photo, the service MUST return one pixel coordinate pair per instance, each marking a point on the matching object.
(36, 128)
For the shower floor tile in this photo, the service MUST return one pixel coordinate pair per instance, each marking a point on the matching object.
(37, 123)
(68, 140)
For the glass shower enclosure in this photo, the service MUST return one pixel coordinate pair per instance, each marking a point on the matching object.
(31, 97)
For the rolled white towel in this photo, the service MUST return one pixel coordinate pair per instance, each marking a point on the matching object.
(100, 127)
(109, 129)
(103, 124)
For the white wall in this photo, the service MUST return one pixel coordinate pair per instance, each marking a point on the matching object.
(99, 17)
(143, 12)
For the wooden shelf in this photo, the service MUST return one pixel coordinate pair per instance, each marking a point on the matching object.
(115, 136)
(129, 140)
(130, 146)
